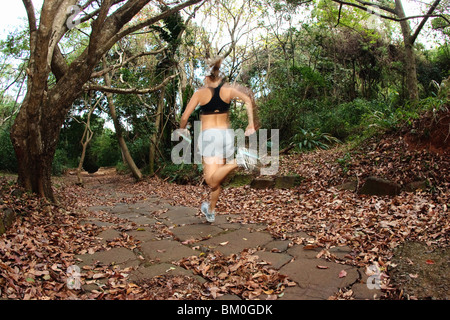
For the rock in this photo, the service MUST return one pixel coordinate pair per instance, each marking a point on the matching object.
(238, 179)
(7, 219)
(263, 182)
(109, 234)
(278, 245)
(166, 250)
(362, 292)
(349, 185)
(416, 185)
(287, 182)
(17, 193)
(195, 232)
(150, 271)
(380, 187)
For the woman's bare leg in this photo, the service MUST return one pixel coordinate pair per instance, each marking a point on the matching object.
(214, 197)
(220, 173)
(215, 172)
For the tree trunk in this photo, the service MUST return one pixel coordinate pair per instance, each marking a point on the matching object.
(411, 72)
(122, 144)
(85, 139)
(410, 58)
(154, 137)
(35, 144)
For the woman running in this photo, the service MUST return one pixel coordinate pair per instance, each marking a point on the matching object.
(216, 140)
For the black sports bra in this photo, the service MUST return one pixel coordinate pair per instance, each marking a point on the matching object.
(216, 104)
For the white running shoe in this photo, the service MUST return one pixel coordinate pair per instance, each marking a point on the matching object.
(210, 217)
(246, 159)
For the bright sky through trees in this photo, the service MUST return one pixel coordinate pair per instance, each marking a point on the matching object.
(14, 15)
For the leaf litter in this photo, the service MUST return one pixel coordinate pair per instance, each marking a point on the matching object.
(42, 244)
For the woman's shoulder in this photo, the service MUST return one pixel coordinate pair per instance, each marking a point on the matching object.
(203, 89)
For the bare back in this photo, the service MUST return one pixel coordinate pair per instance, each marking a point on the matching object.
(220, 120)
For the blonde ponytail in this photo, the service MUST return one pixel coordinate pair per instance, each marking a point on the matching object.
(215, 64)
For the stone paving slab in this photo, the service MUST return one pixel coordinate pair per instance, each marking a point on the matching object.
(277, 245)
(237, 240)
(181, 216)
(148, 272)
(223, 221)
(166, 250)
(318, 278)
(196, 232)
(143, 234)
(321, 277)
(108, 234)
(115, 256)
(142, 220)
(275, 260)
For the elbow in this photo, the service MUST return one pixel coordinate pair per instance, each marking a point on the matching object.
(248, 103)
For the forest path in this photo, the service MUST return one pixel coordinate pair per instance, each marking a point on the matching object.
(167, 234)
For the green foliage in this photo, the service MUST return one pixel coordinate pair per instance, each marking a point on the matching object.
(344, 162)
(139, 149)
(122, 168)
(8, 160)
(318, 81)
(104, 149)
(60, 162)
(310, 140)
(350, 118)
(182, 173)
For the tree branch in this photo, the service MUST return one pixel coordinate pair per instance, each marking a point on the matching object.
(362, 7)
(154, 19)
(119, 65)
(58, 65)
(88, 87)
(424, 20)
(339, 16)
(30, 14)
(371, 4)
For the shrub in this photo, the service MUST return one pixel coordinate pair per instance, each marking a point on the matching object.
(181, 173)
(60, 162)
(309, 140)
(8, 160)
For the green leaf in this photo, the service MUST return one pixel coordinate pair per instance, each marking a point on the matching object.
(30, 280)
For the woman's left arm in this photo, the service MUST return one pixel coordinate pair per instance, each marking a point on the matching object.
(189, 109)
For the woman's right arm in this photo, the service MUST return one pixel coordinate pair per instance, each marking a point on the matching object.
(238, 94)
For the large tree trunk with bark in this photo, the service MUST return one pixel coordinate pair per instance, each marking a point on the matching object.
(37, 126)
(35, 145)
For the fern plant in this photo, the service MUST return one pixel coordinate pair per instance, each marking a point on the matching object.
(310, 140)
